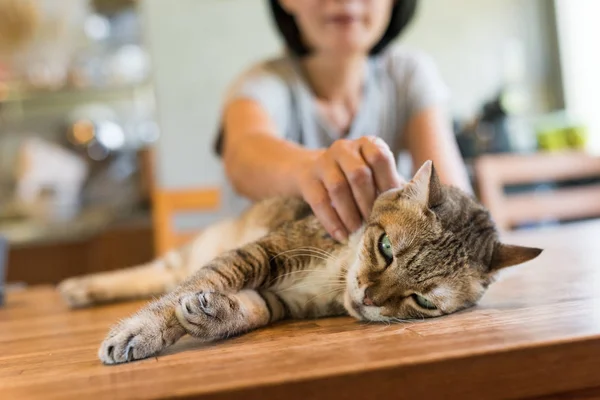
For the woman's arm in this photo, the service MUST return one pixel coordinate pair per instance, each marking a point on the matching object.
(340, 183)
(257, 161)
(430, 137)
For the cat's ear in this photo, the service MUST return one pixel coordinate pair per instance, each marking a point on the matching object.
(426, 186)
(506, 255)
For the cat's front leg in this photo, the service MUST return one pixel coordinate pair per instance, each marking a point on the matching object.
(152, 279)
(213, 315)
(144, 334)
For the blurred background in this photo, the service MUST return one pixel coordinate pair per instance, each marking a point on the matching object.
(109, 110)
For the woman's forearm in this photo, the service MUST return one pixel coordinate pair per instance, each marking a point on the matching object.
(261, 165)
(258, 162)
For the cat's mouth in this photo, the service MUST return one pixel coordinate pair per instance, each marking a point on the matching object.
(354, 309)
(358, 309)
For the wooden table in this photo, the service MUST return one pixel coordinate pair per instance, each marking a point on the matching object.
(536, 334)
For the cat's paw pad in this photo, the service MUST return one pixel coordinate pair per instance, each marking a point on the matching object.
(76, 292)
(206, 314)
(133, 339)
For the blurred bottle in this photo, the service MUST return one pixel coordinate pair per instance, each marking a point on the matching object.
(515, 97)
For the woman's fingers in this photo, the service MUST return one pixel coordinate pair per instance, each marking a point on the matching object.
(340, 193)
(342, 184)
(317, 197)
(360, 179)
(381, 160)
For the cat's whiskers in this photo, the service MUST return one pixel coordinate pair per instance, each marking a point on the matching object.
(281, 278)
(298, 254)
(310, 256)
(423, 316)
(309, 251)
(317, 250)
(400, 320)
(337, 290)
(314, 253)
(291, 289)
(324, 284)
(296, 272)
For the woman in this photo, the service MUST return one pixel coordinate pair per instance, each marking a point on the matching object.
(328, 119)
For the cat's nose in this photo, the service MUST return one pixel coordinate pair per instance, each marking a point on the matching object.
(367, 299)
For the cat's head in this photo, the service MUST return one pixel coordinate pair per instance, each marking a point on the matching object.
(427, 250)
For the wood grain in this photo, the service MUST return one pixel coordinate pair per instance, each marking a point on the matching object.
(536, 333)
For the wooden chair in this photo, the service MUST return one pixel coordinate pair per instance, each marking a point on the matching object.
(495, 172)
(167, 203)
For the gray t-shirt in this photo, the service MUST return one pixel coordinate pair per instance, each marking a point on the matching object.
(398, 84)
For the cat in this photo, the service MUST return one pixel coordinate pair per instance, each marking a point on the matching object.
(426, 250)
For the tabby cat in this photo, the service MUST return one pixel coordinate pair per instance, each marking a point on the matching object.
(426, 250)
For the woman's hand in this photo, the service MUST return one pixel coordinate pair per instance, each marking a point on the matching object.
(342, 183)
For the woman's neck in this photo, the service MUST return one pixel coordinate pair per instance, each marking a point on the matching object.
(336, 80)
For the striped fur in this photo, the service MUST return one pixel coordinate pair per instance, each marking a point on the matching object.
(276, 261)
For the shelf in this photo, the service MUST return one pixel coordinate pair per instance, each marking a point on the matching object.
(23, 94)
(25, 103)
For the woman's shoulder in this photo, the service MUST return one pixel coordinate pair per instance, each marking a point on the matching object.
(415, 76)
(268, 83)
(279, 68)
(270, 77)
(401, 62)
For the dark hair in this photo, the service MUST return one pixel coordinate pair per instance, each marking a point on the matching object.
(402, 13)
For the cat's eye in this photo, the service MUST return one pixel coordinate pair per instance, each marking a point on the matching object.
(385, 248)
(423, 302)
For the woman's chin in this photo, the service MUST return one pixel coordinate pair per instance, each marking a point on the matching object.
(346, 47)
(350, 51)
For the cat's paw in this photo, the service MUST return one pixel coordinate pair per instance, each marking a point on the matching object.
(209, 315)
(138, 337)
(77, 292)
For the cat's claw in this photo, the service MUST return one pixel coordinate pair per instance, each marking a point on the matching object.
(204, 305)
(136, 338)
(207, 315)
(196, 307)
